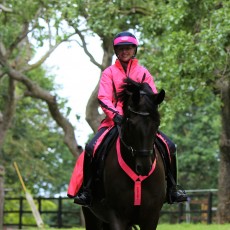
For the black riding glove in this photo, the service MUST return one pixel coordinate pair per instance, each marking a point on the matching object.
(118, 119)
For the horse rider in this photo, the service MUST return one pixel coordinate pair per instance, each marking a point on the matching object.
(126, 66)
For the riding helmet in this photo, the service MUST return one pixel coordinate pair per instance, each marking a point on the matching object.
(125, 38)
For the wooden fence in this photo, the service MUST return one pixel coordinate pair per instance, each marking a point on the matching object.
(200, 208)
(60, 212)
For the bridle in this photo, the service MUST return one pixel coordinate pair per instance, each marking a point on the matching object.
(138, 113)
(134, 152)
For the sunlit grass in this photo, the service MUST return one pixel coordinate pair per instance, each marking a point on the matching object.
(193, 227)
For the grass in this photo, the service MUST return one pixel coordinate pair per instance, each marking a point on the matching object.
(168, 227)
(193, 227)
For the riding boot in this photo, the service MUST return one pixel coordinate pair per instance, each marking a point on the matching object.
(84, 197)
(175, 193)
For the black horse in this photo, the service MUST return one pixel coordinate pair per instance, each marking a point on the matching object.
(126, 199)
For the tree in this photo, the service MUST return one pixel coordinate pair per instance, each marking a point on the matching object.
(196, 130)
(189, 41)
(31, 21)
(190, 51)
(25, 26)
(104, 19)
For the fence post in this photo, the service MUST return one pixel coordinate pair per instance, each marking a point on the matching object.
(59, 212)
(209, 219)
(39, 204)
(2, 173)
(20, 212)
(180, 207)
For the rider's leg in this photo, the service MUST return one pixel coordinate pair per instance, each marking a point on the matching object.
(85, 196)
(175, 192)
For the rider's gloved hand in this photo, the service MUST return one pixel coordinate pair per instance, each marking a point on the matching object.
(118, 119)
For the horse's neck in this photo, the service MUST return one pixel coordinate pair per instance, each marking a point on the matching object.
(127, 157)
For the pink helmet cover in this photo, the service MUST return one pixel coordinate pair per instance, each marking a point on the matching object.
(125, 40)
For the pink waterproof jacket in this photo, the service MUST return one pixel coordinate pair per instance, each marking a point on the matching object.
(111, 83)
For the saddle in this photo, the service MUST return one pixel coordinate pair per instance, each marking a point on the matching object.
(102, 151)
(108, 140)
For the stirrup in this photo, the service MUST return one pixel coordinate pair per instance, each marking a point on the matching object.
(176, 194)
(84, 198)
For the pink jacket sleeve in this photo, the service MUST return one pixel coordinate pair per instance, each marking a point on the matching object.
(105, 94)
(150, 81)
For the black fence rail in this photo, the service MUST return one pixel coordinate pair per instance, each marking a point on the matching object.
(200, 208)
(60, 212)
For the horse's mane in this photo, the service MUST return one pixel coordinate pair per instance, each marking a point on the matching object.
(133, 89)
(131, 86)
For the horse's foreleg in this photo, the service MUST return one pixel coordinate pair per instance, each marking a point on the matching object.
(149, 225)
(106, 226)
(116, 223)
(91, 221)
(118, 226)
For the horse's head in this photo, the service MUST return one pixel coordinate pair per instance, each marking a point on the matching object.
(141, 122)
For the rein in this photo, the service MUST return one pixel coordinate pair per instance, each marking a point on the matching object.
(134, 152)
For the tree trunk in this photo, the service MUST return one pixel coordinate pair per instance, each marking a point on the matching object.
(1, 195)
(224, 170)
(93, 117)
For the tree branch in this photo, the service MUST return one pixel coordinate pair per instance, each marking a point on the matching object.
(135, 10)
(2, 49)
(10, 105)
(5, 9)
(45, 56)
(25, 31)
(22, 36)
(37, 92)
(92, 115)
(84, 46)
(9, 108)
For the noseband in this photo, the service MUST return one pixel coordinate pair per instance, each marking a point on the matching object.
(134, 152)
(138, 113)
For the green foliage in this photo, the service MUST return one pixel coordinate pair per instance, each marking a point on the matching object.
(185, 43)
(104, 18)
(49, 208)
(33, 140)
(193, 227)
(196, 133)
(35, 145)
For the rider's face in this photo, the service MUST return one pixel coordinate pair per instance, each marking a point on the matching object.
(125, 52)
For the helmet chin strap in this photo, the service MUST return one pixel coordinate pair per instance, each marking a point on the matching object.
(129, 59)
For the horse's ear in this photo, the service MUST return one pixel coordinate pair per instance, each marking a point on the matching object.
(160, 97)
